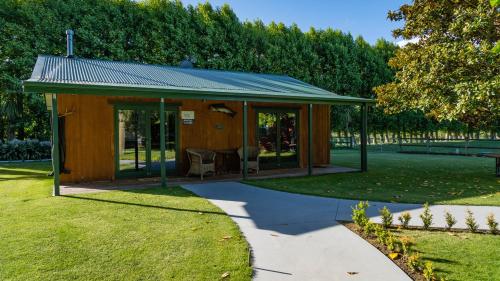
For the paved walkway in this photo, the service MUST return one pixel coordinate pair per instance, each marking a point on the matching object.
(297, 237)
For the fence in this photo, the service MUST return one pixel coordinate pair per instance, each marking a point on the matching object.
(467, 147)
(343, 142)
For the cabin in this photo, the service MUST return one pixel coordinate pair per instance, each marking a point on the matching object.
(130, 120)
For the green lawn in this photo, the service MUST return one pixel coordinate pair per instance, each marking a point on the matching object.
(152, 234)
(459, 256)
(397, 177)
(129, 154)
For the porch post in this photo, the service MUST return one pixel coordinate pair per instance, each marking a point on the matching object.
(245, 140)
(309, 140)
(55, 145)
(364, 125)
(162, 144)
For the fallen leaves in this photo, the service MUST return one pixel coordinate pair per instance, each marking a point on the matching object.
(225, 275)
(461, 236)
(393, 256)
(225, 238)
(352, 272)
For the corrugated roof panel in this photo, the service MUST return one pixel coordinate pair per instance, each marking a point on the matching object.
(51, 70)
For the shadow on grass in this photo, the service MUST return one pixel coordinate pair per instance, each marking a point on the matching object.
(441, 260)
(146, 205)
(30, 170)
(33, 177)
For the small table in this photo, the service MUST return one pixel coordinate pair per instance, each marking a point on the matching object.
(497, 158)
(226, 154)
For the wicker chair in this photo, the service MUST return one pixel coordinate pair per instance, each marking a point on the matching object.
(201, 161)
(252, 158)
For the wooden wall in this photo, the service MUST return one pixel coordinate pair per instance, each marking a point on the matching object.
(321, 134)
(89, 138)
(90, 133)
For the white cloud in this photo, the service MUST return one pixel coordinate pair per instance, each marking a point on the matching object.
(403, 43)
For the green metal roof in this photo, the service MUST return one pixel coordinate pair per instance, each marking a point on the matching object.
(99, 77)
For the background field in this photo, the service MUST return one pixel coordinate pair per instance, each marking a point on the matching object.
(399, 177)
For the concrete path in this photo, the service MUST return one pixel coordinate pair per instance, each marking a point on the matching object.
(297, 237)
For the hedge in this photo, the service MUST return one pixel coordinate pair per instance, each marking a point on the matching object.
(24, 150)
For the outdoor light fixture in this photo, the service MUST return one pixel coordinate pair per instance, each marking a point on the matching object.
(220, 107)
(48, 101)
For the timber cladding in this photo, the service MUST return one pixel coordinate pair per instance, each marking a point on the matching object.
(89, 132)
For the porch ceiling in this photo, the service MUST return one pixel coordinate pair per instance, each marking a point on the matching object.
(98, 77)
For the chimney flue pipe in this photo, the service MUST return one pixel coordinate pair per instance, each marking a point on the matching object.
(69, 43)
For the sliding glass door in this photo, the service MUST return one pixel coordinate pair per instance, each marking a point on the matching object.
(137, 140)
(132, 138)
(288, 137)
(170, 141)
(277, 136)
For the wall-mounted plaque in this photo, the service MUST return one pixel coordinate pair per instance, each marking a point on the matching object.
(187, 117)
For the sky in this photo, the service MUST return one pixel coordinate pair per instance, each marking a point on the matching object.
(367, 18)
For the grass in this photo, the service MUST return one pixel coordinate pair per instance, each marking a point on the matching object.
(129, 154)
(459, 256)
(395, 177)
(151, 234)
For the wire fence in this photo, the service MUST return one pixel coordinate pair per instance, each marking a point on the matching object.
(467, 147)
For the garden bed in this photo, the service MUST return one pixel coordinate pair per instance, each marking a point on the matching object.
(417, 250)
(400, 261)
(456, 254)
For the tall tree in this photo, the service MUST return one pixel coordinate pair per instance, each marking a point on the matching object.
(451, 73)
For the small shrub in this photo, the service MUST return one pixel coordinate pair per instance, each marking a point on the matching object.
(426, 217)
(429, 273)
(470, 221)
(492, 223)
(386, 217)
(391, 241)
(450, 220)
(369, 228)
(404, 219)
(406, 244)
(413, 262)
(381, 234)
(359, 213)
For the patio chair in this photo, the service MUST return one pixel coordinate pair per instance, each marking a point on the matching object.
(252, 156)
(201, 161)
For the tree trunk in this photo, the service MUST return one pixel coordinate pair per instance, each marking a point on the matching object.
(21, 134)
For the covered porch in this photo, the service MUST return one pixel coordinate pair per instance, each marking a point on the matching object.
(126, 84)
(138, 183)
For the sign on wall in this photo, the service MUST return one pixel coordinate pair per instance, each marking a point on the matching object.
(187, 117)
